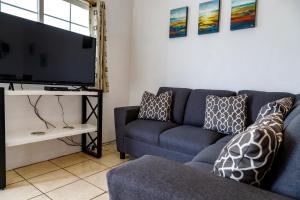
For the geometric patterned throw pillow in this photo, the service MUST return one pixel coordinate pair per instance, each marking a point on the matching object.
(226, 115)
(156, 107)
(248, 156)
(283, 105)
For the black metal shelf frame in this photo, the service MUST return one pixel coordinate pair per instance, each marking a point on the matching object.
(91, 142)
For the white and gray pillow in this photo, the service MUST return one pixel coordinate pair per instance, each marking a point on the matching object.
(248, 156)
(156, 107)
(226, 115)
(283, 105)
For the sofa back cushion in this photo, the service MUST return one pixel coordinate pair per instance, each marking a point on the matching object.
(286, 168)
(257, 99)
(180, 96)
(196, 105)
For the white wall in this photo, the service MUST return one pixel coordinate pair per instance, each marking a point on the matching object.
(264, 58)
(20, 116)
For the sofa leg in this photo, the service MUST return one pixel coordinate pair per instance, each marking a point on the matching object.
(122, 155)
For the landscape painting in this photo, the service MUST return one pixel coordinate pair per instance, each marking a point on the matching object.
(178, 22)
(243, 14)
(209, 17)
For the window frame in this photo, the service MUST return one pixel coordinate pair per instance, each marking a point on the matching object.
(41, 11)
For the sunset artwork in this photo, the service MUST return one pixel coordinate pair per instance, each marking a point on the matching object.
(243, 14)
(209, 17)
(178, 22)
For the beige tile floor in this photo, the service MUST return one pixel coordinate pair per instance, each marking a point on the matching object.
(72, 177)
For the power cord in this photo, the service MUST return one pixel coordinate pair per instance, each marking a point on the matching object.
(73, 143)
(63, 114)
(36, 111)
(70, 141)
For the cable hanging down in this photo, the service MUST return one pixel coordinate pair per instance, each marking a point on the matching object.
(36, 111)
(70, 139)
(67, 140)
(63, 114)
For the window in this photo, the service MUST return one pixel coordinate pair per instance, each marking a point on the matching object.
(28, 10)
(72, 15)
(65, 15)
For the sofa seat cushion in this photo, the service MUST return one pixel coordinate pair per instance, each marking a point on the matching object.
(188, 139)
(204, 167)
(210, 154)
(147, 131)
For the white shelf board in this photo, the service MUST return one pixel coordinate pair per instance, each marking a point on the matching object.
(25, 137)
(49, 93)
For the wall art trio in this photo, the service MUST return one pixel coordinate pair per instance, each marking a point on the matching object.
(243, 15)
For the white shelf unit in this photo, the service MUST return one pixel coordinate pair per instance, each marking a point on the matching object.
(26, 137)
(91, 144)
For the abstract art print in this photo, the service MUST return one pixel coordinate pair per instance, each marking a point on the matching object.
(178, 22)
(209, 17)
(243, 14)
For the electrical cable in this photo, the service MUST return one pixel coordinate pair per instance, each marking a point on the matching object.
(67, 126)
(70, 141)
(63, 113)
(36, 111)
(62, 140)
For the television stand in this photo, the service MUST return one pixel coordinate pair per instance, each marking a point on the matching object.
(91, 135)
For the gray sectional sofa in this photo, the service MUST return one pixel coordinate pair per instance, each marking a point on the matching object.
(178, 156)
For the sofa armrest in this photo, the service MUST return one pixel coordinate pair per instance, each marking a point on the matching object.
(123, 116)
(153, 178)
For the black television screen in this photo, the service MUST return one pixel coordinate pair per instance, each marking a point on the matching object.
(32, 52)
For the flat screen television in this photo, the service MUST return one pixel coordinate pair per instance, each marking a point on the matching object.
(35, 53)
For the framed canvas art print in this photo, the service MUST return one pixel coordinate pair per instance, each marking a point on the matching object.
(178, 22)
(243, 14)
(209, 17)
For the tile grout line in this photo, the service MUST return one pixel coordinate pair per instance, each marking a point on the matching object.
(57, 158)
(62, 186)
(88, 158)
(105, 144)
(98, 196)
(83, 179)
(33, 186)
(64, 168)
(60, 168)
(79, 179)
(16, 181)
